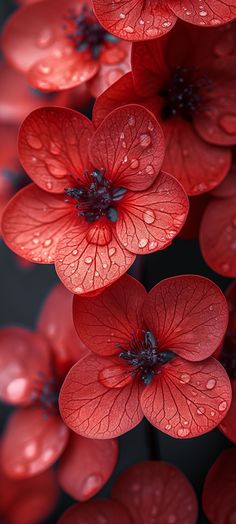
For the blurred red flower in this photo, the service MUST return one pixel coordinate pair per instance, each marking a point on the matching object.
(143, 20)
(150, 357)
(218, 499)
(59, 45)
(188, 80)
(116, 206)
(143, 493)
(27, 501)
(33, 365)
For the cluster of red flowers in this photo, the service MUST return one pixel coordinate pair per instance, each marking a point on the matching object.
(156, 160)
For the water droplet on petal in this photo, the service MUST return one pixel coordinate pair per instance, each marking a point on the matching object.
(211, 383)
(55, 149)
(223, 406)
(132, 121)
(88, 260)
(143, 242)
(200, 410)
(47, 243)
(112, 251)
(16, 388)
(49, 185)
(30, 449)
(168, 426)
(34, 142)
(149, 216)
(183, 432)
(149, 170)
(75, 252)
(91, 485)
(145, 140)
(185, 378)
(134, 164)
(203, 13)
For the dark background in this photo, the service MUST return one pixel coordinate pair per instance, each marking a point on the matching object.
(22, 294)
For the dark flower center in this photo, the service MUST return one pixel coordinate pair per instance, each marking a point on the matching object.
(228, 355)
(86, 33)
(185, 93)
(144, 356)
(45, 393)
(97, 198)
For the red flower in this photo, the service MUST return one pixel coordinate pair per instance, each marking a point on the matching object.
(59, 45)
(144, 492)
(219, 489)
(218, 228)
(150, 357)
(187, 79)
(115, 204)
(31, 372)
(27, 501)
(146, 20)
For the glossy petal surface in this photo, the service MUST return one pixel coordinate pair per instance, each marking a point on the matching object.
(219, 489)
(40, 441)
(213, 13)
(53, 145)
(91, 512)
(218, 236)
(187, 399)
(33, 223)
(156, 490)
(188, 315)
(150, 220)
(86, 466)
(93, 410)
(89, 257)
(23, 355)
(110, 318)
(127, 141)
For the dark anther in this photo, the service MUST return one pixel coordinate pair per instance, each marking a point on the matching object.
(145, 357)
(185, 93)
(96, 198)
(45, 393)
(86, 33)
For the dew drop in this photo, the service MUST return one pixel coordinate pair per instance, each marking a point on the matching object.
(91, 485)
(223, 406)
(168, 426)
(183, 432)
(75, 252)
(203, 13)
(104, 265)
(145, 140)
(44, 69)
(34, 142)
(149, 170)
(185, 378)
(129, 29)
(30, 449)
(55, 149)
(201, 410)
(134, 164)
(122, 16)
(148, 216)
(16, 389)
(112, 251)
(153, 244)
(211, 383)
(47, 242)
(143, 242)
(131, 121)
(212, 413)
(49, 185)
(88, 260)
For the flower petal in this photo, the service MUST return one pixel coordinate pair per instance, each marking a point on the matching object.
(217, 11)
(23, 355)
(218, 236)
(89, 257)
(128, 140)
(135, 21)
(188, 314)
(34, 221)
(110, 318)
(219, 489)
(228, 425)
(187, 399)
(66, 345)
(150, 220)
(156, 489)
(40, 441)
(108, 511)
(227, 188)
(93, 410)
(53, 145)
(86, 466)
(114, 64)
(28, 500)
(197, 165)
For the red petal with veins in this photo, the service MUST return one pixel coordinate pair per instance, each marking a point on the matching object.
(53, 145)
(108, 511)
(151, 219)
(23, 355)
(66, 345)
(34, 221)
(228, 425)
(127, 141)
(91, 409)
(135, 20)
(156, 492)
(89, 257)
(86, 466)
(197, 165)
(187, 399)
(28, 501)
(227, 188)
(218, 236)
(111, 318)
(214, 13)
(33, 440)
(219, 489)
(188, 314)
